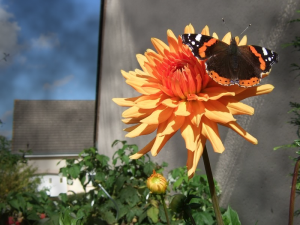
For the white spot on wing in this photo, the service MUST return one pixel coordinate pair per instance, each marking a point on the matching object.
(265, 51)
(193, 43)
(198, 37)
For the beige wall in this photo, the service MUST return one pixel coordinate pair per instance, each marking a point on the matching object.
(49, 166)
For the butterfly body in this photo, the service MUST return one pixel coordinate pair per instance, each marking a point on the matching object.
(231, 64)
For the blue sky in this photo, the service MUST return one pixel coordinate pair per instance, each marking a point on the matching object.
(52, 47)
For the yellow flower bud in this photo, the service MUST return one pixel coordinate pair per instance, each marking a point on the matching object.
(156, 183)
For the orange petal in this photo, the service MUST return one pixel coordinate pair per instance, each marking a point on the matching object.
(190, 135)
(189, 29)
(254, 91)
(211, 132)
(142, 59)
(192, 166)
(237, 128)
(125, 101)
(197, 110)
(235, 107)
(217, 112)
(173, 124)
(214, 35)
(172, 40)
(205, 31)
(161, 114)
(135, 112)
(182, 109)
(215, 93)
(143, 151)
(159, 143)
(140, 129)
(131, 120)
(227, 38)
(150, 101)
(159, 46)
(171, 102)
(243, 41)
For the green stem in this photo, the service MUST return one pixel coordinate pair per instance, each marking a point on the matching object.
(212, 187)
(165, 208)
(293, 191)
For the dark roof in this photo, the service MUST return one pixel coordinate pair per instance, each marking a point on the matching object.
(53, 126)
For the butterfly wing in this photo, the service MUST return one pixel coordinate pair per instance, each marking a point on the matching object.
(203, 46)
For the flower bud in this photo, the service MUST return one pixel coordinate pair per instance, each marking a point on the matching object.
(156, 183)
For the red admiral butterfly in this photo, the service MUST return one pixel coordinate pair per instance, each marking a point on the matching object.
(231, 64)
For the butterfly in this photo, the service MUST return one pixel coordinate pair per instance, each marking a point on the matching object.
(231, 64)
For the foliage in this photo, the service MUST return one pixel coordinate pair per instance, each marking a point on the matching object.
(116, 193)
(15, 171)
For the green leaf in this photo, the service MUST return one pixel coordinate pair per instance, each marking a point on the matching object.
(74, 171)
(152, 213)
(149, 167)
(230, 217)
(14, 203)
(109, 217)
(103, 159)
(129, 195)
(120, 182)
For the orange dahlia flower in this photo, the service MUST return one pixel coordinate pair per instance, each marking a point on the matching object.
(177, 94)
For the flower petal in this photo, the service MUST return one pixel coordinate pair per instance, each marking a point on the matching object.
(161, 114)
(150, 101)
(182, 109)
(159, 143)
(160, 46)
(190, 135)
(136, 112)
(172, 40)
(125, 101)
(193, 159)
(215, 93)
(173, 124)
(140, 129)
(235, 107)
(189, 29)
(243, 41)
(197, 110)
(254, 91)
(211, 132)
(171, 102)
(227, 38)
(205, 31)
(217, 112)
(238, 129)
(143, 151)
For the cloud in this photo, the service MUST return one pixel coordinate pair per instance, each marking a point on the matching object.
(58, 83)
(9, 31)
(6, 115)
(45, 41)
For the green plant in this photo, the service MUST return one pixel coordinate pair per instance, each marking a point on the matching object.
(15, 173)
(127, 199)
(296, 143)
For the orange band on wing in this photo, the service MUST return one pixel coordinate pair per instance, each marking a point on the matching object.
(204, 47)
(220, 80)
(262, 62)
(249, 83)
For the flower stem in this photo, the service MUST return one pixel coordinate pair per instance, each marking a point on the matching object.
(212, 187)
(293, 191)
(165, 208)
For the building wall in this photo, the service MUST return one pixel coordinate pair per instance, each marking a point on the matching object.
(254, 179)
(50, 168)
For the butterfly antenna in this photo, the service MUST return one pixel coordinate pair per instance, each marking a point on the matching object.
(245, 29)
(224, 23)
